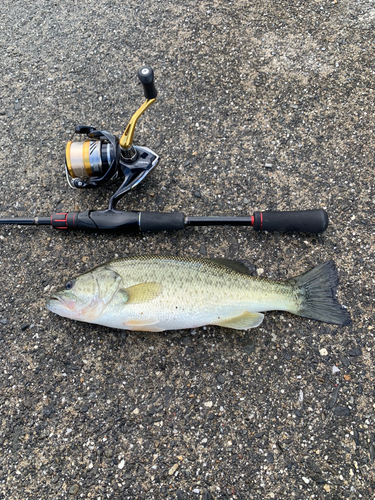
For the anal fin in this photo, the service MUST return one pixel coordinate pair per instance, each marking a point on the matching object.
(143, 325)
(243, 322)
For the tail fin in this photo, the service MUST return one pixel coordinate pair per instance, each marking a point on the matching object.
(317, 288)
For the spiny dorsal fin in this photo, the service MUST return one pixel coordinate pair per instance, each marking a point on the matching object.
(234, 264)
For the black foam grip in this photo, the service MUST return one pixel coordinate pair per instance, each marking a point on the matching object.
(304, 221)
(146, 76)
(159, 221)
(112, 221)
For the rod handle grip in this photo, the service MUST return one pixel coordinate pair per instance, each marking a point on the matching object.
(98, 221)
(160, 221)
(115, 221)
(146, 76)
(303, 221)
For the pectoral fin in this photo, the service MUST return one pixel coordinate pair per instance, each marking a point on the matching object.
(138, 294)
(143, 325)
(243, 322)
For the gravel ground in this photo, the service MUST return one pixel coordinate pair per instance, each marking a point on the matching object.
(261, 105)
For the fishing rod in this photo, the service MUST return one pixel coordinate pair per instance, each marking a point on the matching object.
(116, 221)
(99, 157)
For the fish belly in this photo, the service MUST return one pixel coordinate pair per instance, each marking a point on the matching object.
(167, 319)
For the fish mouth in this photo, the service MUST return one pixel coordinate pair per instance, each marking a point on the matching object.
(57, 301)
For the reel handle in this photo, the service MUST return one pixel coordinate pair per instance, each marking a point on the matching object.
(146, 76)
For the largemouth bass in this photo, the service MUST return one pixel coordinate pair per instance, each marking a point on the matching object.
(156, 293)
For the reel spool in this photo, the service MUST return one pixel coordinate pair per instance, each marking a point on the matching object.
(89, 158)
(102, 157)
(91, 162)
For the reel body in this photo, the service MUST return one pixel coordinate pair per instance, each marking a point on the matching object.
(102, 157)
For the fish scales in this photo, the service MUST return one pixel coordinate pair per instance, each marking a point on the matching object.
(157, 293)
(201, 283)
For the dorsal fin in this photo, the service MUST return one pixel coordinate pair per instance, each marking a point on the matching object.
(235, 265)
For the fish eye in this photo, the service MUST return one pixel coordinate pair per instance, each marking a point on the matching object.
(69, 285)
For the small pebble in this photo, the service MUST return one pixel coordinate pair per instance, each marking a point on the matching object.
(173, 469)
(345, 362)
(202, 250)
(333, 398)
(372, 453)
(323, 352)
(341, 411)
(355, 352)
(73, 490)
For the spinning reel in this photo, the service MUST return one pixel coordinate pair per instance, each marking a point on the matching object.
(102, 157)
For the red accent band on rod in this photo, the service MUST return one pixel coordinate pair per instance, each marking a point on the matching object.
(55, 222)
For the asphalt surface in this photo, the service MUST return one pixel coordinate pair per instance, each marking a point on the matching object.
(261, 105)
